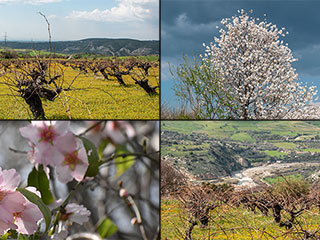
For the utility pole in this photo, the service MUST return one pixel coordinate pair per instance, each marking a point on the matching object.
(5, 40)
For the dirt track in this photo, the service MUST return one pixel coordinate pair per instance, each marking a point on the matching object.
(252, 176)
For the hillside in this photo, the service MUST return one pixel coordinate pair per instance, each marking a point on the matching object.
(103, 46)
(229, 149)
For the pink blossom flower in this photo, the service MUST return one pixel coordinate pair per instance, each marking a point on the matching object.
(16, 212)
(54, 154)
(44, 132)
(10, 200)
(95, 134)
(5, 226)
(119, 131)
(74, 165)
(27, 219)
(48, 140)
(9, 180)
(75, 213)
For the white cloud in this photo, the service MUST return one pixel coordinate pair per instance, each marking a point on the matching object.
(52, 16)
(40, 1)
(126, 10)
(7, 1)
(33, 2)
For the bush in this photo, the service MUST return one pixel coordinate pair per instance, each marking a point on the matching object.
(172, 180)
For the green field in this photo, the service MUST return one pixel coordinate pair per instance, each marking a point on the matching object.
(211, 148)
(285, 145)
(249, 132)
(311, 150)
(275, 153)
(225, 129)
(243, 137)
(227, 222)
(277, 179)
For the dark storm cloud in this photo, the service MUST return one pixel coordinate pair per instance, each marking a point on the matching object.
(188, 24)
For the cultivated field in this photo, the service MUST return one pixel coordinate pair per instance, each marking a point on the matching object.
(228, 222)
(114, 88)
(240, 180)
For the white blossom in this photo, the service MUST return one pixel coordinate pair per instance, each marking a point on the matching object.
(251, 63)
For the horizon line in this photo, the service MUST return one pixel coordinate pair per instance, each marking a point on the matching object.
(38, 40)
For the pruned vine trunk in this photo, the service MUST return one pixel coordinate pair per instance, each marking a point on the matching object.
(31, 97)
(144, 83)
(32, 93)
(189, 230)
(105, 75)
(120, 79)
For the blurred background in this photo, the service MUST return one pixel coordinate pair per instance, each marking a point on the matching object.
(101, 195)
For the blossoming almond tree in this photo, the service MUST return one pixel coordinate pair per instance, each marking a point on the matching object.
(69, 157)
(251, 70)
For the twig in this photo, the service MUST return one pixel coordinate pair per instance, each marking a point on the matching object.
(49, 32)
(17, 151)
(90, 128)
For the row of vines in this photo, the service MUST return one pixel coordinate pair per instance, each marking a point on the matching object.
(37, 79)
(289, 209)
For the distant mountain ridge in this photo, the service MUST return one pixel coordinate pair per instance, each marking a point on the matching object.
(104, 46)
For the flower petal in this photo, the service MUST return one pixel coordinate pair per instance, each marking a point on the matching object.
(64, 174)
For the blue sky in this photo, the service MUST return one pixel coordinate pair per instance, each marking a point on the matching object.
(186, 24)
(79, 19)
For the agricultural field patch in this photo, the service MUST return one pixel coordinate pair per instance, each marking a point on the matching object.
(244, 137)
(227, 222)
(278, 179)
(285, 145)
(311, 150)
(276, 153)
(79, 89)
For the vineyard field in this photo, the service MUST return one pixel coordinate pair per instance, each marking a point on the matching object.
(227, 222)
(83, 92)
(240, 180)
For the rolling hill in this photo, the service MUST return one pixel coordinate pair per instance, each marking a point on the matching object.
(103, 46)
(211, 150)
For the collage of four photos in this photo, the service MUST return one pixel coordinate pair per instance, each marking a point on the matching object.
(159, 119)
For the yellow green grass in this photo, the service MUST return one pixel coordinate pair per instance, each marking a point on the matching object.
(275, 153)
(93, 98)
(311, 150)
(285, 145)
(243, 137)
(279, 179)
(228, 222)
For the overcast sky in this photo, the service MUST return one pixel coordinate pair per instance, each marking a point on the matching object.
(79, 19)
(186, 24)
